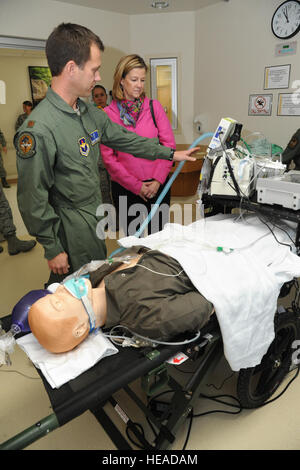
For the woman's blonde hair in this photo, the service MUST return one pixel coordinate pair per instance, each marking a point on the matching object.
(125, 65)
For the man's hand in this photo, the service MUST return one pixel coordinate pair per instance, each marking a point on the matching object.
(4, 150)
(185, 155)
(59, 264)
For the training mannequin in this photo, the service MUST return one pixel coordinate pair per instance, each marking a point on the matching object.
(154, 298)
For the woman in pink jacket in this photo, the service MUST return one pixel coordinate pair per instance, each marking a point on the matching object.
(139, 182)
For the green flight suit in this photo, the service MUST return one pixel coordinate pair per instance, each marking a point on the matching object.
(58, 179)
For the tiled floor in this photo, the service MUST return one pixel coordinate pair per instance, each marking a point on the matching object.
(23, 400)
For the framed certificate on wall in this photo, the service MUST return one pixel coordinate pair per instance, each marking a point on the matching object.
(288, 104)
(277, 77)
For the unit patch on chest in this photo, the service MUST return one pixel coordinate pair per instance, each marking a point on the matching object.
(25, 145)
(84, 147)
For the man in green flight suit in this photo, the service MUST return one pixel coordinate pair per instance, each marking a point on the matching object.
(58, 153)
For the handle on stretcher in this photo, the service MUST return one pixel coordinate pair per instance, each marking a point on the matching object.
(31, 434)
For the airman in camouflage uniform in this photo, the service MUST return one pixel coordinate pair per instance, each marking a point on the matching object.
(292, 151)
(2, 169)
(8, 229)
(27, 108)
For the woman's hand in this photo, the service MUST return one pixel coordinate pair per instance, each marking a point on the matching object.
(144, 192)
(153, 187)
(149, 189)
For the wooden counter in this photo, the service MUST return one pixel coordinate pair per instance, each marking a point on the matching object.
(187, 181)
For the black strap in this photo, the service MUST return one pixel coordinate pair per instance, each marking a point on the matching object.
(152, 113)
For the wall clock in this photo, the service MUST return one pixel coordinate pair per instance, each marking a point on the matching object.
(286, 19)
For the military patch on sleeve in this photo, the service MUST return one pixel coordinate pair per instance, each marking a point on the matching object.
(293, 142)
(30, 123)
(25, 145)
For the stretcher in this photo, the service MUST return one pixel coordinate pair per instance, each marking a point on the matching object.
(96, 387)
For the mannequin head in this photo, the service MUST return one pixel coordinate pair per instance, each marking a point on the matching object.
(59, 321)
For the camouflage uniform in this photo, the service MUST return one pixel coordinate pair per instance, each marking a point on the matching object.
(2, 144)
(7, 226)
(8, 229)
(292, 151)
(20, 120)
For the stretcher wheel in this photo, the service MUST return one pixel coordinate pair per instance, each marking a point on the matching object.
(256, 384)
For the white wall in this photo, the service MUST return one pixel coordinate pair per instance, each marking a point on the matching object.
(223, 50)
(14, 72)
(36, 19)
(234, 44)
(169, 35)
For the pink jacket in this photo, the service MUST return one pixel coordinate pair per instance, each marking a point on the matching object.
(128, 170)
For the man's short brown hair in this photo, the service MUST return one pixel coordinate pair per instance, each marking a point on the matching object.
(67, 42)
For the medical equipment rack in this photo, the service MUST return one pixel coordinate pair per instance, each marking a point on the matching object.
(275, 212)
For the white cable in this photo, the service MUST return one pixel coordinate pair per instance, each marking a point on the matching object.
(156, 341)
(161, 274)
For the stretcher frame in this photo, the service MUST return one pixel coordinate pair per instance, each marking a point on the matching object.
(74, 398)
(92, 390)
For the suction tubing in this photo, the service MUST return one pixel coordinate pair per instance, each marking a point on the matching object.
(162, 194)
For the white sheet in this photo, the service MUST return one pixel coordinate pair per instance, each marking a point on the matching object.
(243, 285)
(60, 368)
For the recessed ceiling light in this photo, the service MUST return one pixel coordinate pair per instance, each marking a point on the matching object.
(160, 4)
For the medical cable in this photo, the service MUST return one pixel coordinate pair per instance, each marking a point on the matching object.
(236, 186)
(285, 231)
(240, 408)
(245, 197)
(272, 232)
(217, 399)
(154, 341)
(262, 218)
(156, 272)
